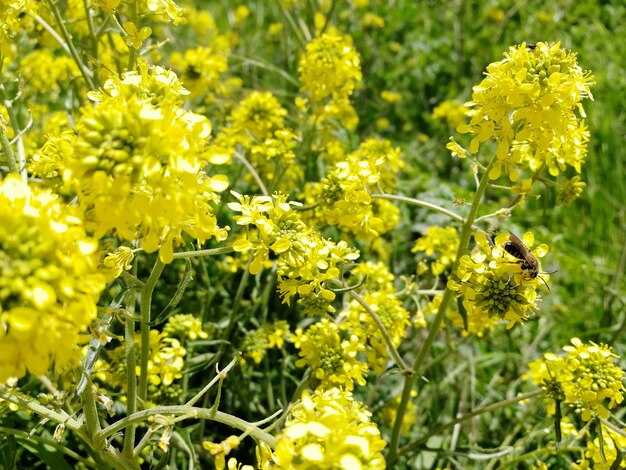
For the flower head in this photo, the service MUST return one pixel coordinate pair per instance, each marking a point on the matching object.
(329, 429)
(494, 282)
(49, 280)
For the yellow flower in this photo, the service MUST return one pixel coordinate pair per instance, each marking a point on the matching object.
(333, 359)
(450, 111)
(185, 327)
(440, 242)
(330, 67)
(132, 181)
(585, 378)
(49, 282)
(527, 104)
(569, 190)
(328, 429)
(394, 317)
(136, 37)
(119, 260)
(492, 281)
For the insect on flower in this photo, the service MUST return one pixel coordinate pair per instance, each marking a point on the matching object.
(528, 261)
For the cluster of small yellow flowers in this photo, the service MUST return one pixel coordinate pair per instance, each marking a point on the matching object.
(162, 10)
(268, 336)
(569, 190)
(46, 73)
(376, 277)
(450, 111)
(330, 68)
(585, 378)
(328, 429)
(185, 327)
(389, 412)
(331, 354)
(49, 280)
(604, 455)
(329, 73)
(12, 12)
(133, 182)
(493, 282)
(201, 68)
(165, 364)
(527, 104)
(305, 260)
(391, 96)
(441, 243)
(394, 317)
(344, 198)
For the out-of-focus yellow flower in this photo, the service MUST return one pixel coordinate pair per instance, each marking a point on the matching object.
(440, 242)
(391, 96)
(569, 190)
(49, 281)
(330, 67)
(185, 327)
(450, 111)
(329, 429)
(164, 10)
(372, 21)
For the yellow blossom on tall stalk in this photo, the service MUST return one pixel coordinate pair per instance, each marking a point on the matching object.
(331, 354)
(329, 429)
(585, 378)
(357, 321)
(440, 242)
(49, 281)
(343, 197)
(305, 260)
(492, 281)
(137, 164)
(528, 104)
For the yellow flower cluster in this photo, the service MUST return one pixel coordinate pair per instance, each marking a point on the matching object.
(604, 454)
(328, 429)
(268, 336)
(331, 354)
(527, 104)
(450, 111)
(12, 12)
(49, 281)
(257, 126)
(330, 68)
(494, 284)
(46, 73)
(585, 378)
(136, 163)
(305, 260)
(166, 358)
(441, 243)
(344, 194)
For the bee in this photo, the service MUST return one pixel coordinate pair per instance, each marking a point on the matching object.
(531, 46)
(528, 262)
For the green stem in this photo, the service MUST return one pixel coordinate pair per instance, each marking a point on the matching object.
(220, 375)
(29, 403)
(189, 412)
(67, 38)
(92, 30)
(420, 203)
(92, 422)
(466, 417)
(131, 375)
(146, 303)
(253, 172)
(201, 253)
(61, 448)
(134, 18)
(448, 294)
(6, 148)
(14, 163)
